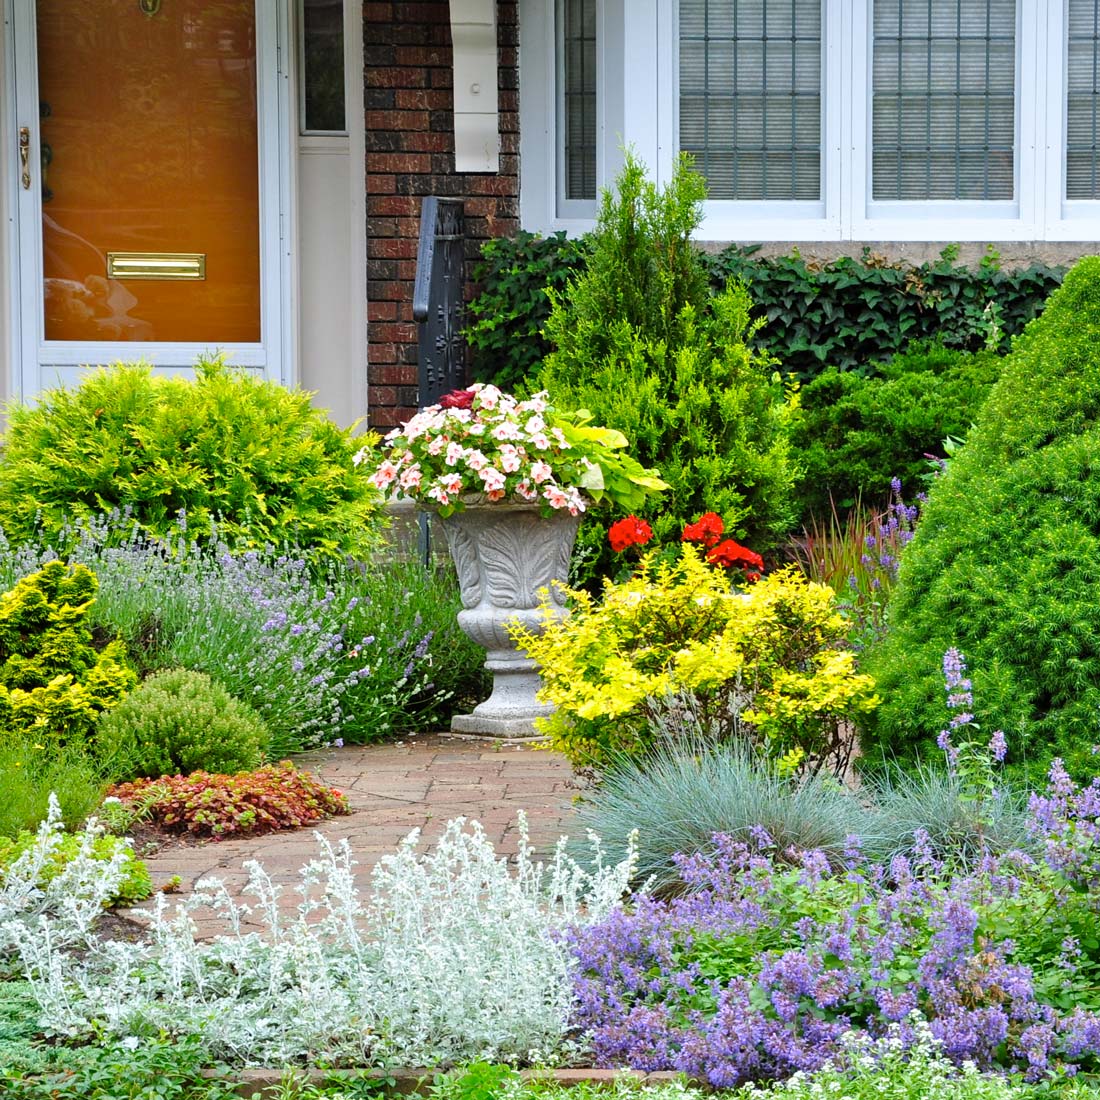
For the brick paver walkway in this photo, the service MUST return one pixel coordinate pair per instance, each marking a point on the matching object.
(392, 789)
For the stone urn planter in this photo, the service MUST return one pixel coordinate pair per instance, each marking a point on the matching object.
(505, 553)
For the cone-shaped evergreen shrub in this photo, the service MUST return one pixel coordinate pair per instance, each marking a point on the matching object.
(1005, 564)
(640, 342)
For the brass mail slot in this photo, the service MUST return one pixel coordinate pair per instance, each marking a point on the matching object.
(156, 265)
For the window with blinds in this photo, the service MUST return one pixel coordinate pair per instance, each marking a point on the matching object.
(577, 97)
(750, 96)
(944, 99)
(1083, 107)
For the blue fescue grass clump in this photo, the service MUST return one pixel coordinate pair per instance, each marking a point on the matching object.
(680, 796)
(324, 653)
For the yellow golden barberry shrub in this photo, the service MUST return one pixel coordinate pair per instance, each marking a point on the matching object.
(767, 665)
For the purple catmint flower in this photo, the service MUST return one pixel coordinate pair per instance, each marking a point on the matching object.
(998, 746)
(895, 484)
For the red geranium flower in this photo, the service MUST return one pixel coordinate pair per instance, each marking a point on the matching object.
(629, 532)
(457, 399)
(707, 529)
(727, 554)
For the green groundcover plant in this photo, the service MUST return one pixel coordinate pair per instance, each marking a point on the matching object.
(1005, 563)
(31, 770)
(227, 448)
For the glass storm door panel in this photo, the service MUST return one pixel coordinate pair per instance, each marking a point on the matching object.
(149, 170)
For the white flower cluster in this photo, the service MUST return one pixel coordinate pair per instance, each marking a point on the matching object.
(60, 906)
(488, 444)
(454, 957)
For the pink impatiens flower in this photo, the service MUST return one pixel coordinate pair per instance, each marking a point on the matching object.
(383, 477)
(554, 496)
(509, 459)
(411, 478)
(493, 480)
(540, 472)
(455, 454)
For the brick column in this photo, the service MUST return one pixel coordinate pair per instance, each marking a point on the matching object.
(410, 153)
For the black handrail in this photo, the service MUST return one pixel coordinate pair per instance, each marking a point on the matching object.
(437, 299)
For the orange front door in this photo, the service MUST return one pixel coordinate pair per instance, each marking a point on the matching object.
(149, 154)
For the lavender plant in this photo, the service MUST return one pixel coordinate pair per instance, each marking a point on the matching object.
(351, 654)
(456, 955)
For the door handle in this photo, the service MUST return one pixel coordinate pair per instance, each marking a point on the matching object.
(25, 156)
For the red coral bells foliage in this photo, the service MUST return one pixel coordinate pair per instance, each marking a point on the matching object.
(707, 529)
(457, 399)
(629, 532)
(262, 801)
(728, 553)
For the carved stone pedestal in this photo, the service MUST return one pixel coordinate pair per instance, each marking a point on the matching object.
(506, 553)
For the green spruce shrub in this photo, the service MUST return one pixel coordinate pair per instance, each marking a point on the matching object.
(53, 682)
(1005, 563)
(859, 431)
(226, 449)
(178, 722)
(639, 342)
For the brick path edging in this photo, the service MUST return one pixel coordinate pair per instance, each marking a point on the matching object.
(265, 1084)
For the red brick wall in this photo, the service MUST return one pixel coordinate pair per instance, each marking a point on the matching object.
(410, 153)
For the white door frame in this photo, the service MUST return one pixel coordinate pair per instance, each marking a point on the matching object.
(37, 362)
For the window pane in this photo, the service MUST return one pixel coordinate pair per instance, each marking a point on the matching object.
(577, 96)
(750, 96)
(944, 99)
(1082, 162)
(323, 64)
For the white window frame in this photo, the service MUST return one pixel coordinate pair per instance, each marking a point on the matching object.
(637, 83)
(1066, 219)
(994, 219)
(726, 219)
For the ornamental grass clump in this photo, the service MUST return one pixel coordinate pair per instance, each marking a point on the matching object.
(690, 788)
(766, 666)
(1005, 563)
(456, 955)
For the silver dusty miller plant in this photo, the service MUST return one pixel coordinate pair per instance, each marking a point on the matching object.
(453, 957)
(62, 908)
